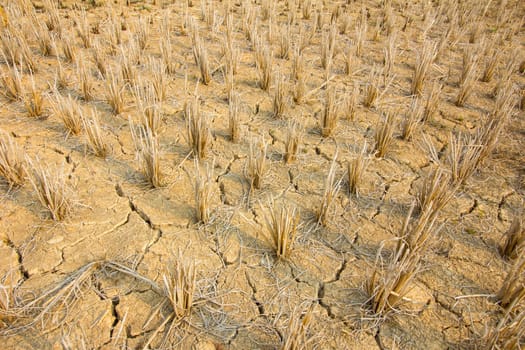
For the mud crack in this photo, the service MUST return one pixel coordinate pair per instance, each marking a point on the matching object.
(320, 297)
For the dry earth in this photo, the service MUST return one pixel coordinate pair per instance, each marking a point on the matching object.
(244, 295)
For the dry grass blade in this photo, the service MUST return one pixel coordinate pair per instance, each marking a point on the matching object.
(327, 47)
(256, 165)
(295, 337)
(83, 29)
(435, 192)
(263, 63)
(412, 119)
(388, 285)
(360, 34)
(10, 309)
(384, 135)
(148, 154)
(508, 333)
(12, 83)
(94, 136)
(179, 285)
(203, 192)
(51, 188)
(350, 103)
(85, 81)
(330, 192)
(69, 49)
(432, 101)
(390, 56)
(372, 89)
(468, 76)
(100, 58)
(12, 163)
(115, 91)
(514, 243)
(491, 61)
(512, 292)
(148, 106)
(234, 120)
(200, 54)
(329, 115)
(464, 154)
(34, 102)
(356, 170)
(67, 109)
(280, 99)
(197, 129)
(158, 79)
(281, 222)
(291, 144)
(424, 59)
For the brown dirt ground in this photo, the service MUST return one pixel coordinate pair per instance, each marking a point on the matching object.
(244, 295)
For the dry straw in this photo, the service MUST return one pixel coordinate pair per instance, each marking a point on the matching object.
(197, 129)
(256, 164)
(12, 83)
(12, 160)
(329, 115)
(115, 87)
(514, 243)
(34, 102)
(203, 191)
(200, 55)
(384, 135)
(432, 101)
(512, 291)
(412, 119)
(468, 75)
(67, 109)
(331, 190)
(356, 170)
(51, 188)
(263, 63)
(179, 285)
(296, 333)
(234, 119)
(281, 222)
(94, 136)
(424, 59)
(291, 143)
(85, 81)
(280, 98)
(148, 154)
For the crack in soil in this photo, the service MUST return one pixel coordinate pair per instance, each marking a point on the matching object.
(320, 296)
(502, 203)
(260, 306)
(377, 338)
(19, 258)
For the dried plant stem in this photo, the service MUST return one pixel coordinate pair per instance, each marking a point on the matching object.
(198, 131)
(384, 135)
(148, 154)
(291, 144)
(12, 161)
(356, 170)
(234, 121)
(203, 192)
(281, 222)
(331, 190)
(94, 136)
(256, 165)
(329, 116)
(51, 189)
(179, 286)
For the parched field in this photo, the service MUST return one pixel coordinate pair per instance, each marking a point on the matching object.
(257, 174)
